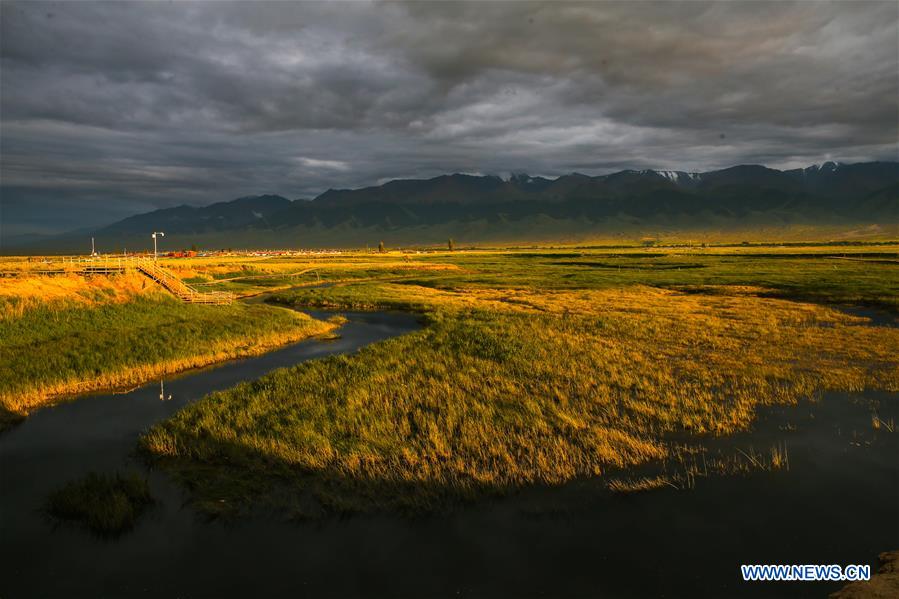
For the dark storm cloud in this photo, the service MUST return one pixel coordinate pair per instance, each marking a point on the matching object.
(111, 108)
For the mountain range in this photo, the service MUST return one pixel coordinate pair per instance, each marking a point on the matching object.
(488, 208)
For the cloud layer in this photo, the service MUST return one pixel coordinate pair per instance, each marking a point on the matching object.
(112, 108)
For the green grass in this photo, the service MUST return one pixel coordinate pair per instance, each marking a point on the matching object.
(59, 348)
(536, 366)
(821, 276)
(108, 505)
(274, 281)
(528, 372)
(825, 274)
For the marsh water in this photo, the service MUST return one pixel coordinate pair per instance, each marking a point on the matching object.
(836, 503)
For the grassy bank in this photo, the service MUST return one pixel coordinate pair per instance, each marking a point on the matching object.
(883, 584)
(120, 334)
(529, 372)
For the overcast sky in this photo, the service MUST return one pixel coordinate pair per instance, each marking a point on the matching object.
(108, 109)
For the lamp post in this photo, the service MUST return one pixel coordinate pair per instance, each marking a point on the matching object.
(155, 234)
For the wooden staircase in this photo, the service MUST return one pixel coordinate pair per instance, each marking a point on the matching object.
(179, 288)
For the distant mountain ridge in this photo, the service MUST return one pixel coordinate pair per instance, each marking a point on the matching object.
(468, 188)
(221, 216)
(418, 210)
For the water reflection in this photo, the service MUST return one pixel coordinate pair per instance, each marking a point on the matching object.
(162, 395)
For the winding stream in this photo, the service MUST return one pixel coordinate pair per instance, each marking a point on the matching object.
(837, 503)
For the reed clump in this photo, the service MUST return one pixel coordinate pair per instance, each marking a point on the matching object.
(639, 485)
(107, 505)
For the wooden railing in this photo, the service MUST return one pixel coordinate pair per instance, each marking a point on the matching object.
(179, 288)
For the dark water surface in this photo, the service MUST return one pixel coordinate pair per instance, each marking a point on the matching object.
(877, 317)
(837, 503)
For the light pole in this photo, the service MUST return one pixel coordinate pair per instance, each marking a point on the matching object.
(160, 234)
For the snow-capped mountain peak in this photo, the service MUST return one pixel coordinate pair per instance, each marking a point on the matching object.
(827, 167)
(677, 177)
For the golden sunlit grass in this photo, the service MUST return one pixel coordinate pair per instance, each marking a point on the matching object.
(683, 465)
(513, 387)
(639, 485)
(537, 366)
(20, 294)
(65, 335)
